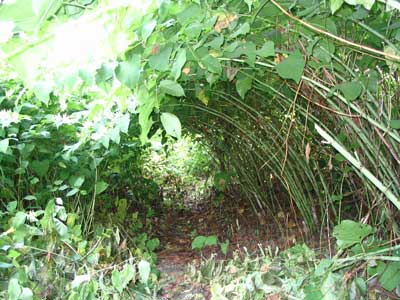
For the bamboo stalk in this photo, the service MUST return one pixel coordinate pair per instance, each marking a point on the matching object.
(356, 163)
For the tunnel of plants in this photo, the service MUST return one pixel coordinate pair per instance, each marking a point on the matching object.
(199, 149)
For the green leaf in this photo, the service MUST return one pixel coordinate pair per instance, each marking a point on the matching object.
(19, 219)
(216, 43)
(77, 182)
(335, 5)
(224, 247)
(390, 278)
(198, 242)
(145, 120)
(349, 233)
(366, 3)
(210, 63)
(351, 90)
(116, 280)
(361, 285)
(14, 289)
(104, 73)
(4, 265)
(395, 124)
(147, 29)
(172, 88)
(101, 186)
(268, 49)
(40, 167)
(61, 228)
(292, 67)
(171, 124)
(243, 29)
(4, 145)
(243, 86)
(180, 61)
(12, 206)
(127, 274)
(42, 91)
(128, 72)
(211, 240)
(144, 271)
(72, 192)
(29, 15)
(123, 123)
(153, 244)
(160, 61)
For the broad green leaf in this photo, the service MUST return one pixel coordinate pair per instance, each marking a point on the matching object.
(335, 5)
(330, 286)
(101, 186)
(390, 278)
(292, 67)
(268, 49)
(366, 3)
(160, 61)
(61, 228)
(42, 91)
(193, 30)
(12, 206)
(198, 242)
(40, 167)
(19, 219)
(172, 88)
(211, 64)
(243, 29)
(128, 72)
(171, 124)
(216, 43)
(243, 86)
(211, 240)
(104, 74)
(72, 192)
(77, 182)
(349, 233)
(128, 273)
(180, 61)
(395, 124)
(153, 244)
(145, 121)
(361, 285)
(14, 289)
(116, 280)
(123, 123)
(224, 247)
(29, 14)
(4, 145)
(4, 265)
(147, 29)
(351, 90)
(144, 271)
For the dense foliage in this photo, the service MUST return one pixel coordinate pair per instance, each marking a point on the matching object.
(297, 102)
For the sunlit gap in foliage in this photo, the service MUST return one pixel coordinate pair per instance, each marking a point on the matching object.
(182, 168)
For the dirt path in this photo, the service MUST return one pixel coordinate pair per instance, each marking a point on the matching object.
(177, 229)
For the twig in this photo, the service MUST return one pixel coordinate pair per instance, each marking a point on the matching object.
(342, 40)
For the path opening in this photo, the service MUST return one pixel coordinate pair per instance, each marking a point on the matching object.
(202, 214)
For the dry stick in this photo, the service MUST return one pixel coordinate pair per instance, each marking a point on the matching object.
(396, 157)
(342, 40)
(356, 163)
(290, 126)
